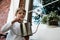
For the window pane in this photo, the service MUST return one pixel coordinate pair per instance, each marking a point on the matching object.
(37, 10)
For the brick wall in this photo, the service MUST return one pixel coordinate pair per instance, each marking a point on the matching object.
(22, 4)
(4, 9)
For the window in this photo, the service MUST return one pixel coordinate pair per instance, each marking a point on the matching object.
(37, 11)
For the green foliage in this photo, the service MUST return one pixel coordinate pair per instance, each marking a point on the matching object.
(44, 19)
(50, 17)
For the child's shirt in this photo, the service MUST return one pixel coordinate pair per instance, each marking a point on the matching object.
(15, 28)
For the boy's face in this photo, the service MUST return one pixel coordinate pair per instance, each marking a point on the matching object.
(20, 15)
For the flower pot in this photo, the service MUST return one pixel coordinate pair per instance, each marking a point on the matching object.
(53, 22)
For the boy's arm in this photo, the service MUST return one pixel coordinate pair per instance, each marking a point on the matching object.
(6, 27)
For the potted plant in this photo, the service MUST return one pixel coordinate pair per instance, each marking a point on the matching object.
(51, 19)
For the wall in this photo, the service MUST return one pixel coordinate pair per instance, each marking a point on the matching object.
(4, 8)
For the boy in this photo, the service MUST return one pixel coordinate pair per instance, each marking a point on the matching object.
(15, 26)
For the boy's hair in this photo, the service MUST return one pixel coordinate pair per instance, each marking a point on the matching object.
(20, 9)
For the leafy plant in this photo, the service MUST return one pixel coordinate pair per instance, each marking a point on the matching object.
(52, 19)
(44, 19)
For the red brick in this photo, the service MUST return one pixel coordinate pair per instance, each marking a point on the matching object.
(4, 9)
